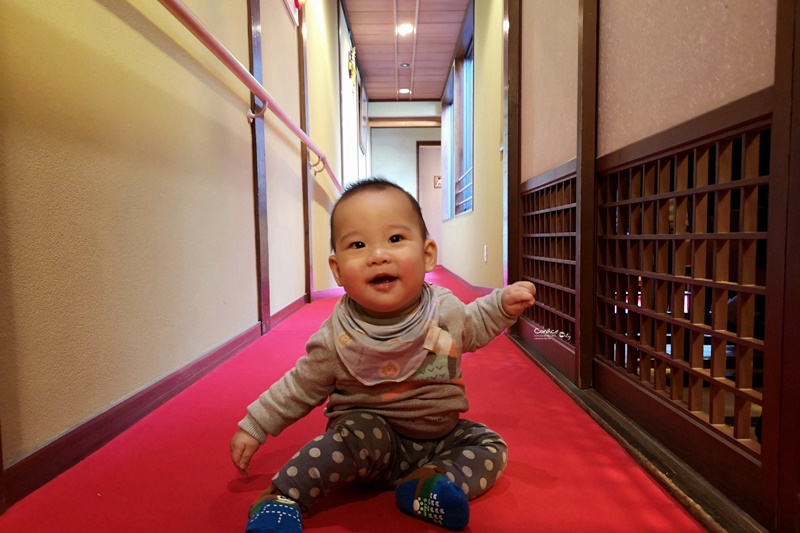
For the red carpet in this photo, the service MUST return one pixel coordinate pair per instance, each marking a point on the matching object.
(171, 472)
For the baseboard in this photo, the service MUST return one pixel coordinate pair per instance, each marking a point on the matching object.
(474, 288)
(286, 312)
(327, 293)
(30, 473)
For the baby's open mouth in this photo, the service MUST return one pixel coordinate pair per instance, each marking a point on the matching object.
(382, 279)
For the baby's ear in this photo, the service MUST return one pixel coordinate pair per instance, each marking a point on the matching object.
(431, 252)
(334, 266)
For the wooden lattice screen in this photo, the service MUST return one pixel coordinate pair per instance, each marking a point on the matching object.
(548, 257)
(681, 255)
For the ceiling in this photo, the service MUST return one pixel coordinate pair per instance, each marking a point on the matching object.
(428, 51)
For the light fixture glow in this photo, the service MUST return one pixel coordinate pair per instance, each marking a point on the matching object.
(404, 91)
(404, 65)
(405, 29)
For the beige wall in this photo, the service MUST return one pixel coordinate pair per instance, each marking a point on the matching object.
(663, 63)
(549, 102)
(284, 176)
(126, 206)
(324, 127)
(464, 236)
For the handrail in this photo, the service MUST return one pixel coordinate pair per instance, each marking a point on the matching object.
(194, 25)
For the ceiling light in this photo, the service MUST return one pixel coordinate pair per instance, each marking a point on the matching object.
(405, 29)
(404, 91)
(404, 65)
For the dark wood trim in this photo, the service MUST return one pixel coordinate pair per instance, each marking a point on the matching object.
(3, 503)
(342, 146)
(288, 311)
(561, 172)
(305, 173)
(27, 475)
(327, 293)
(781, 431)
(405, 122)
(743, 113)
(585, 178)
(467, 32)
(259, 170)
(513, 148)
(557, 353)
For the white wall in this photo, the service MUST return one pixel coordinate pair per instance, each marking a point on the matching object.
(394, 153)
(405, 109)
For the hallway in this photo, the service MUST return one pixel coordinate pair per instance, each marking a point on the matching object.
(166, 199)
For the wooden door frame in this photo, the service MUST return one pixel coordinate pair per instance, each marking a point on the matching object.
(585, 177)
(513, 148)
(781, 432)
(306, 175)
(259, 169)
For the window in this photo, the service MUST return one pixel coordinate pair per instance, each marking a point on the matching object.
(463, 186)
(457, 126)
(448, 140)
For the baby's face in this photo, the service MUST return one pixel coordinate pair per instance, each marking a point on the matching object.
(380, 255)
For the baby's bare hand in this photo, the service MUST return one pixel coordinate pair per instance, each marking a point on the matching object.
(243, 446)
(518, 296)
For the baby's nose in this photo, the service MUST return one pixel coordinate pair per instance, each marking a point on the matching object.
(378, 256)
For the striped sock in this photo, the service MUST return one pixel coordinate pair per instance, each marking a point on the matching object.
(429, 495)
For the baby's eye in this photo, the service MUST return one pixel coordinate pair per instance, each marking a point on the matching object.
(357, 244)
(395, 238)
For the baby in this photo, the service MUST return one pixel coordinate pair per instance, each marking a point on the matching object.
(387, 360)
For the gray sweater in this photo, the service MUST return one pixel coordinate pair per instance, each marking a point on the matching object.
(425, 406)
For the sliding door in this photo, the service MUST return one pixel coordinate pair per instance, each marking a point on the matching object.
(661, 241)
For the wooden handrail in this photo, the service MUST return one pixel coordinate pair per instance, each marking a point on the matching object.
(198, 29)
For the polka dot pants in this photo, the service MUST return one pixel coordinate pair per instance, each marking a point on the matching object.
(360, 446)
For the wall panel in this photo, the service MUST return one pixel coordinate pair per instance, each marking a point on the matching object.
(549, 102)
(663, 63)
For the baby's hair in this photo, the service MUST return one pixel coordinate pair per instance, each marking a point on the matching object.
(378, 184)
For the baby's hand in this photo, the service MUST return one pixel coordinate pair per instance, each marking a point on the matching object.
(518, 296)
(243, 446)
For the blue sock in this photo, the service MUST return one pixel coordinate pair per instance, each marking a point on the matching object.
(429, 495)
(276, 514)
